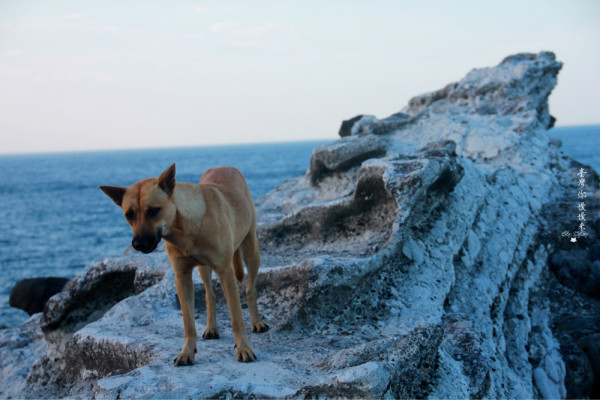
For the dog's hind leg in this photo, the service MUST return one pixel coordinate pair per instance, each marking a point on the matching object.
(238, 267)
(251, 257)
(211, 331)
(244, 352)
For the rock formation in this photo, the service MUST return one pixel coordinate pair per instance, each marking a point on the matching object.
(32, 294)
(419, 256)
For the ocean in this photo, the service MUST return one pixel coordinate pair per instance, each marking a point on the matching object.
(55, 221)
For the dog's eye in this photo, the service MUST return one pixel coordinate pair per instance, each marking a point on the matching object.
(130, 215)
(152, 212)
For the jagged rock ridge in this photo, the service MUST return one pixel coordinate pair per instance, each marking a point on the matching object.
(409, 261)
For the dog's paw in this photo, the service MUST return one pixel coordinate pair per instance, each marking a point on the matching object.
(259, 327)
(210, 334)
(244, 354)
(184, 359)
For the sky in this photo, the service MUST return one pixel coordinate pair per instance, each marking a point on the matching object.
(95, 75)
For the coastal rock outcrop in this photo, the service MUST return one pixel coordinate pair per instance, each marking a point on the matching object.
(410, 260)
(32, 294)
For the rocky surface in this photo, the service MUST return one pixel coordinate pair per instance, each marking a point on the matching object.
(419, 256)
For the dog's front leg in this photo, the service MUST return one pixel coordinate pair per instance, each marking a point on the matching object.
(243, 351)
(211, 332)
(185, 291)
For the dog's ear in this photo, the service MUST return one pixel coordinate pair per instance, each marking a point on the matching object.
(116, 193)
(166, 180)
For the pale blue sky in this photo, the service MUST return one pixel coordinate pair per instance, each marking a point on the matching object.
(80, 75)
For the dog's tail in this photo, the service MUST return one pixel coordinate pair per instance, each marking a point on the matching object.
(238, 266)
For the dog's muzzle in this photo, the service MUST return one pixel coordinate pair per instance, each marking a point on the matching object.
(146, 244)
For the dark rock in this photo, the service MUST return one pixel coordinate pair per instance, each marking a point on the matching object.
(346, 128)
(578, 269)
(576, 321)
(362, 125)
(594, 252)
(591, 346)
(31, 295)
(442, 148)
(579, 381)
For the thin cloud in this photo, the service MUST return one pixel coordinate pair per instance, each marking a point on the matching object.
(201, 10)
(216, 9)
(45, 67)
(49, 22)
(238, 30)
(159, 39)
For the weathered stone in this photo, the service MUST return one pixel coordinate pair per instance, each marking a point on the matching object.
(391, 367)
(20, 348)
(99, 287)
(344, 154)
(462, 345)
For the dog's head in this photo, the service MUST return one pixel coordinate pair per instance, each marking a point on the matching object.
(148, 208)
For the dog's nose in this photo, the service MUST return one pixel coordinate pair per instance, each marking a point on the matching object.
(145, 244)
(136, 243)
(140, 243)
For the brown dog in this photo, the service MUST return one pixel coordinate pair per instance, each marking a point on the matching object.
(212, 225)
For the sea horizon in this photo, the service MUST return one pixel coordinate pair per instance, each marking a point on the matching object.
(177, 147)
(218, 145)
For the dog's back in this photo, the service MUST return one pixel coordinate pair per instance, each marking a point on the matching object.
(229, 177)
(231, 184)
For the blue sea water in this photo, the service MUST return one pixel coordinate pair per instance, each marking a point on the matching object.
(581, 143)
(54, 220)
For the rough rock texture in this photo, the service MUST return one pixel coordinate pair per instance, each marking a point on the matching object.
(43, 358)
(411, 260)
